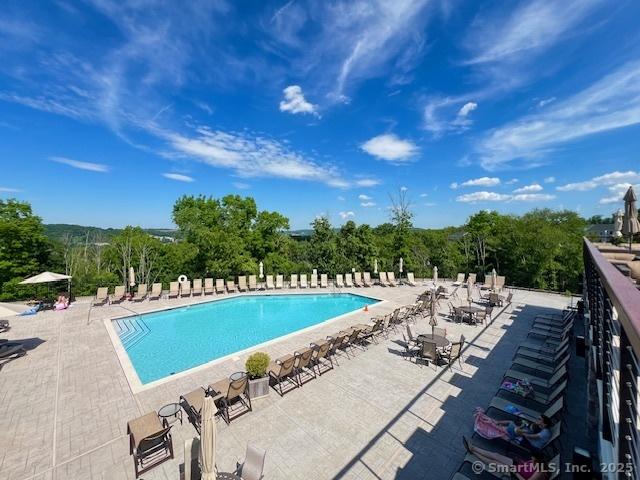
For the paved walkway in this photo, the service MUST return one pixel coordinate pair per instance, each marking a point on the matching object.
(64, 406)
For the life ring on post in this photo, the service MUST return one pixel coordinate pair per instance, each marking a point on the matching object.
(182, 278)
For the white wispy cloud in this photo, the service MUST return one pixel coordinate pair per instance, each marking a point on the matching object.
(485, 196)
(546, 101)
(533, 197)
(534, 187)
(241, 185)
(511, 182)
(294, 101)
(391, 148)
(442, 115)
(530, 28)
(422, 195)
(404, 189)
(340, 198)
(362, 196)
(616, 193)
(178, 177)
(89, 166)
(550, 180)
(611, 178)
(345, 215)
(366, 182)
(477, 182)
(367, 204)
(482, 197)
(610, 103)
(9, 190)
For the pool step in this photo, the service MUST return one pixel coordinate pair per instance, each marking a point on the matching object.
(131, 331)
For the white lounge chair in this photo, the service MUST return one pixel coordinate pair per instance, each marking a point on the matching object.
(339, 281)
(279, 282)
(102, 296)
(410, 280)
(294, 281)
(367, 279)
(231, 286)
(270, 285)
(382, 279)
(252, 283)
(314, 280)
(219, 285)
(459, 279)
(185, 288)
(197, 287)
(141, 294)
(118, 294)
(357, 279)
(348, 280)
(324, 281)
(208, 286)
(174, 290)
(156, 291)
(242, 283)
(303, 280)
(391, 279)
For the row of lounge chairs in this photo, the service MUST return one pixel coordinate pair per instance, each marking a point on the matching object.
(541, 362)
(462, 279)
(197, 288)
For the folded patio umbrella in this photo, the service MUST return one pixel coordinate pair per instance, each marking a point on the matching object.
(208, 439)
(630, 225)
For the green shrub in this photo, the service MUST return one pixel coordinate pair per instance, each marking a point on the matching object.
(257, 364)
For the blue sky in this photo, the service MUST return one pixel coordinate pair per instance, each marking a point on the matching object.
(110, 111)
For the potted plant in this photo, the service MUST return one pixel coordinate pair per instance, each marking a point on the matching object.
(256, 366)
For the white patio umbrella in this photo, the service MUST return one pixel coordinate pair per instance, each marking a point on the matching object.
(469, 292)
(401, 264)
(494, 278)
(45, 277)
(261, 266)
(207, 456)
(132, 277)
(630, 225)
(617, 224)
(435, 275)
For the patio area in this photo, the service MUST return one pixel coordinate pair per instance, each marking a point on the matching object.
(65, 405)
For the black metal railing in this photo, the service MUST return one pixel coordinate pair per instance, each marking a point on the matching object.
(613, 306)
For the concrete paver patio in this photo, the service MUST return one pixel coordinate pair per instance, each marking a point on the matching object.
(66, 404)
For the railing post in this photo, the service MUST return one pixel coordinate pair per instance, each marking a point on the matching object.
(628, 430)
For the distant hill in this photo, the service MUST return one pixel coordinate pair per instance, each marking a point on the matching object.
(78, 233)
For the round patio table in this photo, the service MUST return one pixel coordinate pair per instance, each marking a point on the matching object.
(171, 410)
(471, 311)
(439, 340)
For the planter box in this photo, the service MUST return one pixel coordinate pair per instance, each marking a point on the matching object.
(259, 388)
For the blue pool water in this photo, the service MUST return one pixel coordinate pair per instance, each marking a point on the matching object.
(163, 343)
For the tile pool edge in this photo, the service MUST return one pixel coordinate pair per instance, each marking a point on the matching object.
(131, 374)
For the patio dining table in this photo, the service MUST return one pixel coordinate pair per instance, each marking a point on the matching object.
(471, 311)
(439, 340)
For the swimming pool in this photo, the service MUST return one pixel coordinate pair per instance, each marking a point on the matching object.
(171, 341)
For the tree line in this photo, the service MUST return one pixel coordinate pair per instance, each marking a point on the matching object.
(229, 236)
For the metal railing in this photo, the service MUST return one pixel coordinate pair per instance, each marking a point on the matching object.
(613, 306)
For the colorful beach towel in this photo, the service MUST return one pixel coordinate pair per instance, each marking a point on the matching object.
(486, 426)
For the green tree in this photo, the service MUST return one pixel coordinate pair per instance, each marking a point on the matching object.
(322, 246)
(24, 249)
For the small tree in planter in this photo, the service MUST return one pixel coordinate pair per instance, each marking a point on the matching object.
(256, 366)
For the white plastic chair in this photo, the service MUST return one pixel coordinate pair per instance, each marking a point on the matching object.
(253, 465)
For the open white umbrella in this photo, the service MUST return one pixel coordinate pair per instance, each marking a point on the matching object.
(45, 277)
(207, 456)
(435, 275)
(630, 225)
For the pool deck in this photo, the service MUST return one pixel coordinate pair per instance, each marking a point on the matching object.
(65, 405)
